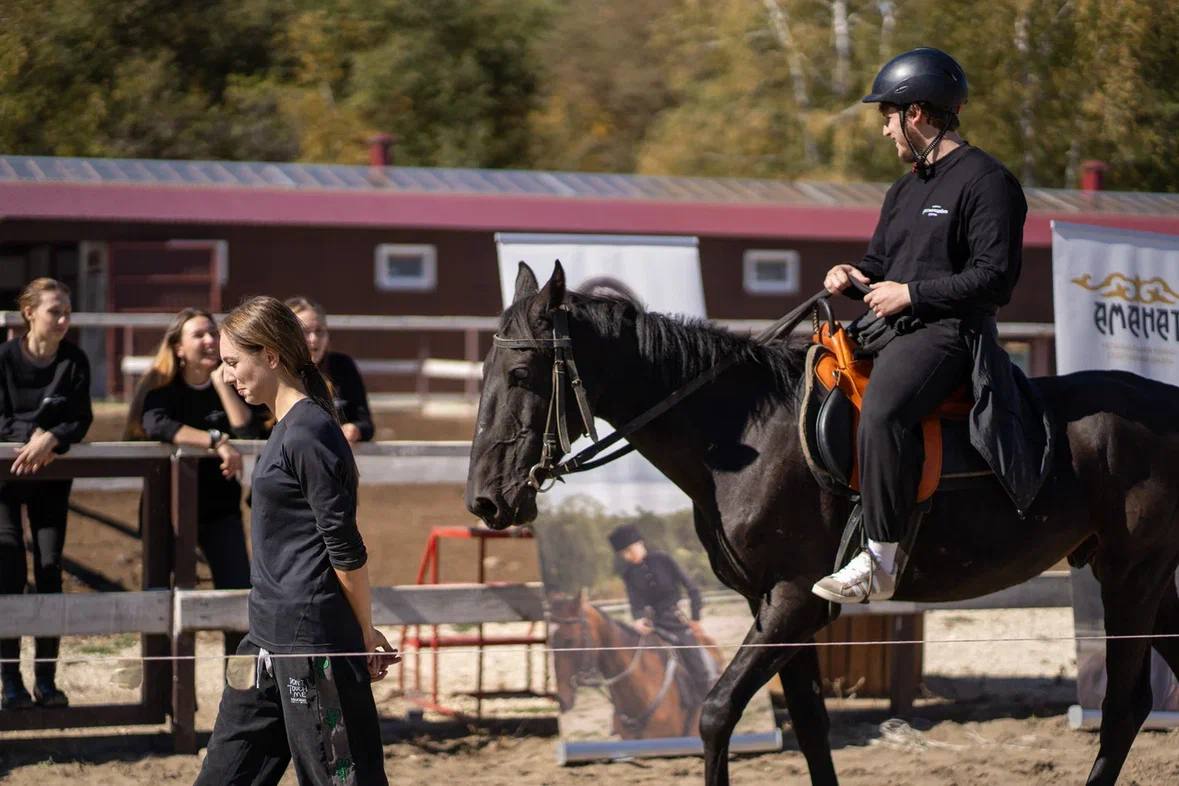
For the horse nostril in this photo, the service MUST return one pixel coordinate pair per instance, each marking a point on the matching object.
(484, 508)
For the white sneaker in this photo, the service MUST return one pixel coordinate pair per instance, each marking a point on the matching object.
(859, 581)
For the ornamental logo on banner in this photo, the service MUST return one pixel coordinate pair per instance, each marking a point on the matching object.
(1116, 297)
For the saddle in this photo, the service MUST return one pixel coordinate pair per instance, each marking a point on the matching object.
(836, 378)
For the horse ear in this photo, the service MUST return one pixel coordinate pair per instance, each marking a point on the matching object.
(581, 596)
(525, 282)
(554, 290)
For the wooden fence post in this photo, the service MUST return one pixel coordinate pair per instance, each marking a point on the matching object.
(184, 526)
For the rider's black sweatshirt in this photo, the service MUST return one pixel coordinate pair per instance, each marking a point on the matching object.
(955, 235)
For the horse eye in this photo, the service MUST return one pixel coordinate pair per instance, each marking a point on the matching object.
(519, 374)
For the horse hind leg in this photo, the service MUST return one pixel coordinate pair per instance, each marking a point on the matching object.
(803, 687)
(1131, 605)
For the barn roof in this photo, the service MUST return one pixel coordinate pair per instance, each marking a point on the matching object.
(106, 189)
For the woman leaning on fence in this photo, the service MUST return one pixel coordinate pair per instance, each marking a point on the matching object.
(183, 400)
(294, 699)
(350, 397)
(45, 406)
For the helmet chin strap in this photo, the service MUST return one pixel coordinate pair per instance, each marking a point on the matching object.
(920, 167)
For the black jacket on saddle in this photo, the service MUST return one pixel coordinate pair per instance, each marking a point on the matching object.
(955, 234)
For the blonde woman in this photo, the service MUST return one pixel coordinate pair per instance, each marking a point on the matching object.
(183, 400)
(310, 595)
(350, 397)
(45, 406)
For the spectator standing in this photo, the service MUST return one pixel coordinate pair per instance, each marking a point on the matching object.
(183, 400)
(44, 406)
(348, 392)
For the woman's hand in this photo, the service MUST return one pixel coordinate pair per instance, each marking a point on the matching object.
(231, 460)
(644, 627)
(34, 454)
(888, 298)
(351, 432)
(840, 278)
(382, 655)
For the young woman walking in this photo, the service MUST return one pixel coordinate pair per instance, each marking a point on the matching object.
(45, 406)
(310, 593)
(184, 400)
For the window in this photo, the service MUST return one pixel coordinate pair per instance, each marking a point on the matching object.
(769, 272)
(402, 267)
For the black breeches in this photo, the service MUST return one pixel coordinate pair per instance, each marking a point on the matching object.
(223, 543)
(911, 376)
(47, 503)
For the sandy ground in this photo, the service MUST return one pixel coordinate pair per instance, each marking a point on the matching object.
(990, 714)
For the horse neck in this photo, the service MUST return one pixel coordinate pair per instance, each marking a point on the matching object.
(629, 694)
(623, 385)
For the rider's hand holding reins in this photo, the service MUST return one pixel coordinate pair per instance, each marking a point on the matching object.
(840, 278)
(888, 298)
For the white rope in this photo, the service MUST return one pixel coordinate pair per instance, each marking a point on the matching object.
(68, 659)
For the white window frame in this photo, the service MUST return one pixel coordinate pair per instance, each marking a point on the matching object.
(756, 286)
(427, 282)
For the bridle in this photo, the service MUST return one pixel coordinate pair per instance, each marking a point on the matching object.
(556, 431)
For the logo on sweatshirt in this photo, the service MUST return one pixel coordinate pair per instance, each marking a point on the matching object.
(935, 210)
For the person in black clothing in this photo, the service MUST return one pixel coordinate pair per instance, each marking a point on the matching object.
(945, 256)
(310, 597)
(351, 399)
(183, 400)
(45, 406)
(653, 583)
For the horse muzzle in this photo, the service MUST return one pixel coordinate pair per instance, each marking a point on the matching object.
(498, 514)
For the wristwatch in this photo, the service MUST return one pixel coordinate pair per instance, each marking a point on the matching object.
(214, 438)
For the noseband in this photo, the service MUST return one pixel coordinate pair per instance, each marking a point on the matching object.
(556, 430)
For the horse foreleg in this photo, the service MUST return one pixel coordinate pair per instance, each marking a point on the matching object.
(791, 617)
(803, 687)
(1166, 622)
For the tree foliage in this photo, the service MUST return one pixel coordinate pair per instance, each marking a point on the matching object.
(762, 88)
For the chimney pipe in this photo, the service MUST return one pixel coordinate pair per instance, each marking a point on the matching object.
(1093, 175)
(380, 149)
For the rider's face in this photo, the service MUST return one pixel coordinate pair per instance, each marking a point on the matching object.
(892, 129)
(634, 553)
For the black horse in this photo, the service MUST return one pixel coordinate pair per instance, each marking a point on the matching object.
(771, 531)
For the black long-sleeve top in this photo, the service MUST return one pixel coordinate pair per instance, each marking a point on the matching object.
(653, 587)
(956, 236)
(303, 525)
(55, 397)
(177, 404)
(351, 399)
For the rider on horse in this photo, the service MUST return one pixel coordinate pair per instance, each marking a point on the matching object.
(944, 257)
(653, 581)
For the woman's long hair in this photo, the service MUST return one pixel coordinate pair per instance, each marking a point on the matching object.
(164, 368)
(265, 322)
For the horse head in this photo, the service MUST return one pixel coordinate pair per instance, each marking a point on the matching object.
(519, 407)
(571, 636)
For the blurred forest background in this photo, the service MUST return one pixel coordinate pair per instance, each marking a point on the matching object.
(751, 88)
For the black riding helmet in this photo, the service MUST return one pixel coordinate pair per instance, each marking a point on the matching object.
(921, 76)
(924, 75)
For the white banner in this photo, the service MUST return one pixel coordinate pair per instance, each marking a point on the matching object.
(663, 273)
(624, 674)
(1116, 298)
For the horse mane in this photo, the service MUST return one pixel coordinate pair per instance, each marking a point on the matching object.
(678, 348)
(625, 626)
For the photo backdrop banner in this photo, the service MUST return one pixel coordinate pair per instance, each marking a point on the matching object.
(623, 692)
(1116, 300)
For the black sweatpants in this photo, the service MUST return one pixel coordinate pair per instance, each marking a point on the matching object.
(911, 376)
(315, 711)
(223, 542)
(47, 502)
